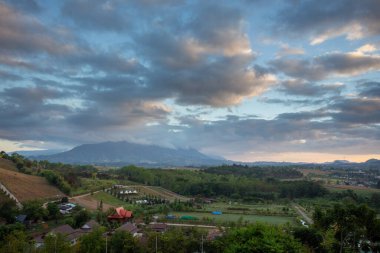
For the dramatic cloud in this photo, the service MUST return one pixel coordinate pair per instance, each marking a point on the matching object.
(192, 74)
(23, 33)
(331, 64)
(323, 20)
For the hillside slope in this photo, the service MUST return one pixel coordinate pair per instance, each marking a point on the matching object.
(123, 153)
(26, 187)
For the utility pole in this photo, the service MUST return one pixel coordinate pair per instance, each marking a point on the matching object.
(202, 245)
(156, 243)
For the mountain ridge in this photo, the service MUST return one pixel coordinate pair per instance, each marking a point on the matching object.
(125, 153)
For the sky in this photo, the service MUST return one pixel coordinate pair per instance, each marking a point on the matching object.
(248, 80)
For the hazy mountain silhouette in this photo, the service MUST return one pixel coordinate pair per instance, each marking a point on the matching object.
(123, 153)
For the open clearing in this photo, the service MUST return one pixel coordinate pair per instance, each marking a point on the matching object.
(90, 202)
(26, 187)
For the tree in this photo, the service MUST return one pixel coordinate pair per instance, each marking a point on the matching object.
(93, 242)
(351, 223)
(53, 210)
(258, 238)
(123, 242)
(56, 243)
(309, 236)
(8, 210)
(81, 217)
(16, 242)
(34, 210)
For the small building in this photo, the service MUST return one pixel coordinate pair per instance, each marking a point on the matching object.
(217, 212)
(21, 218)
(159, 227)
(90, 226)
(130, 228)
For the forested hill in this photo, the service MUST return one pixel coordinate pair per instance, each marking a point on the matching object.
(125, 153)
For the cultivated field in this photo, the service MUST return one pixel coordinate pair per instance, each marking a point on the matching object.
(306, 172)
(360, 190)
(8, 165)
(155, 191)
(26, 187)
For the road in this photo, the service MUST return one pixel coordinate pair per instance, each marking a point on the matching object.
(300, 210)
(77, 198)
(192, 225)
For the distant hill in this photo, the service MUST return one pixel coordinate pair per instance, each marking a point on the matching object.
(124, 153)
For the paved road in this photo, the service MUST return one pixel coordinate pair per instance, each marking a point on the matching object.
(300, 210)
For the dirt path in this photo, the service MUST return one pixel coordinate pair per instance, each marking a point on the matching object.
(301, 211)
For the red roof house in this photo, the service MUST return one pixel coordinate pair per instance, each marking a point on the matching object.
(120, 215)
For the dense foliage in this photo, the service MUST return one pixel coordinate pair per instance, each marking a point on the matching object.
(198, 182)
(255, 171)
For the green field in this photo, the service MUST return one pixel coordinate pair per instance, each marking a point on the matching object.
(235, 217)
(256, 209)
(89, 184)
(111, 200)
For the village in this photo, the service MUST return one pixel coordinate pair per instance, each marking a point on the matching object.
(117, 220)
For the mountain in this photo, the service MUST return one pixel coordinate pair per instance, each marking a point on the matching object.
(32, 153)
(124, 153)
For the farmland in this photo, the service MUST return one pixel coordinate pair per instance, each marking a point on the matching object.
(6, 164)
(26, 187)
(362, 191)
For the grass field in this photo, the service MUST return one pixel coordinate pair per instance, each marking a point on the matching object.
(235, 217)
(89, 184)
(26, 187)
(271, 209)
(163, 193)
(109, 199)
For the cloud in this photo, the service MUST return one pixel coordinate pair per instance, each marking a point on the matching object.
(327, 65)
(370, 89)
(26, 5)
(286, 50)
(97, 15)
(24, 33)
(299, 87)
(323, 20)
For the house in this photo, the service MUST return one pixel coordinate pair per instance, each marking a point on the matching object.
(120, 215)
(21, 218)
(159, 227)
(90, 226)
(130, 228)
(70, 234)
